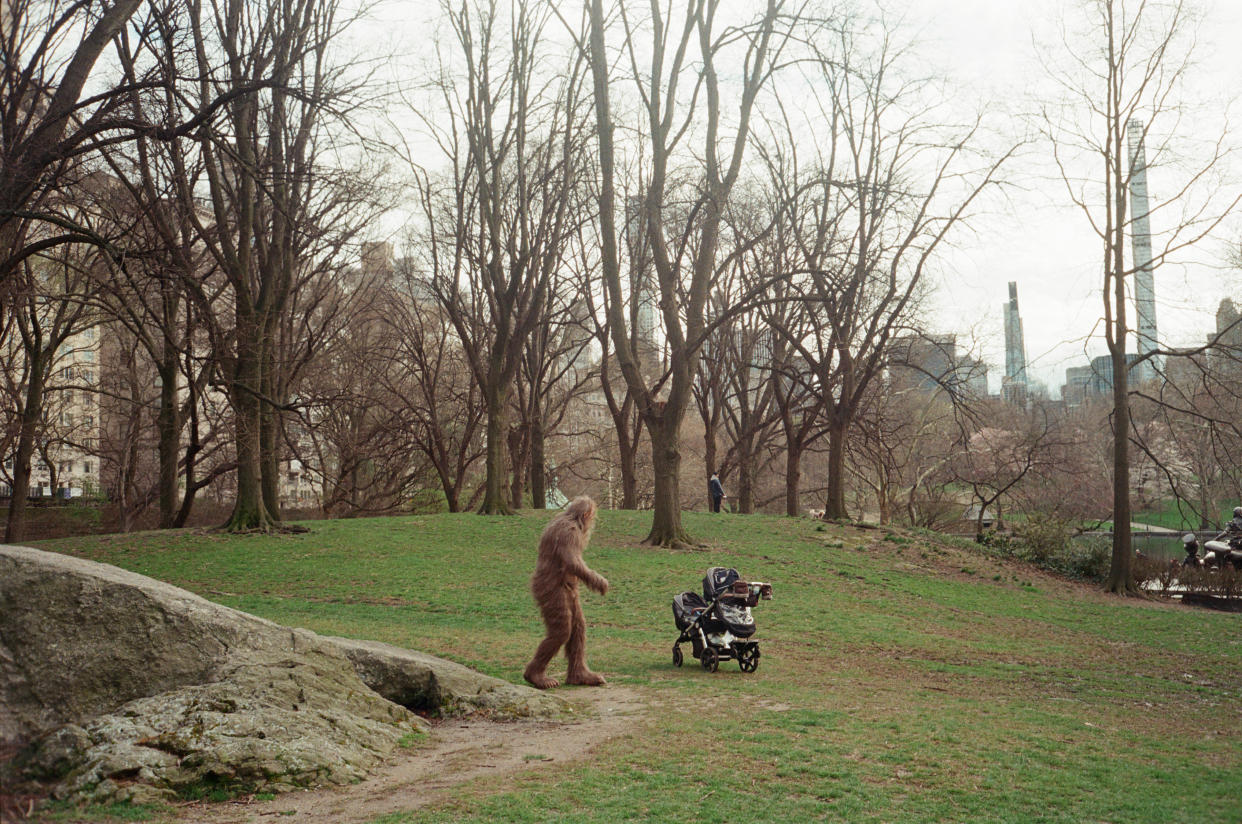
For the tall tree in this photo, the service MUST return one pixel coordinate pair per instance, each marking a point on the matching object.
(511, 129)
(555, 371)
(56, 289)
(894, 176)
(270, 203)
(1125, 65)
(681, 98)
(147, 297)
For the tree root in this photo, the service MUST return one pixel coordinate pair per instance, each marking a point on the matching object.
(275, 528)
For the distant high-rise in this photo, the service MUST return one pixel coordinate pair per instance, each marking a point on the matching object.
(1226, 357)
(641, 275)
(642, 287)
(1079, 386)
(932, 362)
(1140, 239)
(377, 257)
(1015, 348)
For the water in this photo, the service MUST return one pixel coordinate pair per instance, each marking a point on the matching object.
(1156, 544)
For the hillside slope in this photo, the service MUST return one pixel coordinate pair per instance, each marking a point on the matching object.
(901, 679)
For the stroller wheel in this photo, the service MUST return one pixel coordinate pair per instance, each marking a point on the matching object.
(710, 660)
(748, 659)
(677, 659)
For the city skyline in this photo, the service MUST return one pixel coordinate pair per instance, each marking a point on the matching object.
(1033, 235)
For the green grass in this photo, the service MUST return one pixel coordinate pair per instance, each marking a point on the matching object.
(901, 680)
(1169, 515)
(63, 813)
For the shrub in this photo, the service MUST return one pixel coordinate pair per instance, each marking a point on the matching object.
(1048, 543)
(1040, 540)
(1225, 582)
(1088, 559)
(1158, 574)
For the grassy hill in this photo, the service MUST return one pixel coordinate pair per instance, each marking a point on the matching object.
(901, 680)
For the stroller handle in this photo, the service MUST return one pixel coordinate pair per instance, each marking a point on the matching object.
(752, 591)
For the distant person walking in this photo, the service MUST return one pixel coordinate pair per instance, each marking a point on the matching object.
(716, 492)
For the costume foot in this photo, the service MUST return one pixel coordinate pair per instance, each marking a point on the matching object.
(540, 681)
(586, 679)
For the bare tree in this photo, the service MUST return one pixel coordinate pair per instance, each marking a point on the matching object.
(619, 398)
(1126, 64)
(275, 218)
(510, 127)
(45, 124)
(736, 390)
(680, 89)
(55, 295)
(443, 403)
(354, 432)
(890, 184)
(901, 449)
(146, 298)
(992, 460)
(1193, 420)
(556, 370)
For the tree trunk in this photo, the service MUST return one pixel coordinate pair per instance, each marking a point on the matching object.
(627, 448)
(249, 511)
(494, 487)
(168, 425)
(1119, 578)
(834, 506)
(629, 474)
(129, 503)
(269, 428)
(885, 501)
(191, 460)
(538, 467)
(666, 528)
(451, 492)
(793, 478)
(269, 458)
(709, 450)
(746, 474)
(32, 414)
(518, 439)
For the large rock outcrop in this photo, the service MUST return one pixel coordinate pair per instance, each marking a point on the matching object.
(425, 682)
(126, 687)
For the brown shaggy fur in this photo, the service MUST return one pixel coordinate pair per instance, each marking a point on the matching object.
(555, 586)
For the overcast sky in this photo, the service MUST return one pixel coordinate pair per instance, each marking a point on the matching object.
(989, 50)
(1038, 239)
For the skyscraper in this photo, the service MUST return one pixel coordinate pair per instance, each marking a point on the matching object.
(643, 291)
(1013, 385)
(1140, 240)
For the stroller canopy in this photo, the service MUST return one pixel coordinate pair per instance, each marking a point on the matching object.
(718, 580)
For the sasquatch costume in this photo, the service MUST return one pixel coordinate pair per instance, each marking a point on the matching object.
(555, 586)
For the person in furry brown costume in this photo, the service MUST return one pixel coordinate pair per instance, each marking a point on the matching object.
(555, 586)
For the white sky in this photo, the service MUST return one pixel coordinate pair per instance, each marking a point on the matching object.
(1039, 239)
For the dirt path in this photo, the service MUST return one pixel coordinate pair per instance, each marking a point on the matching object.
(461, 750)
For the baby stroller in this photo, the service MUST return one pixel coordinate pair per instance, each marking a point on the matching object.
(719, 625)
